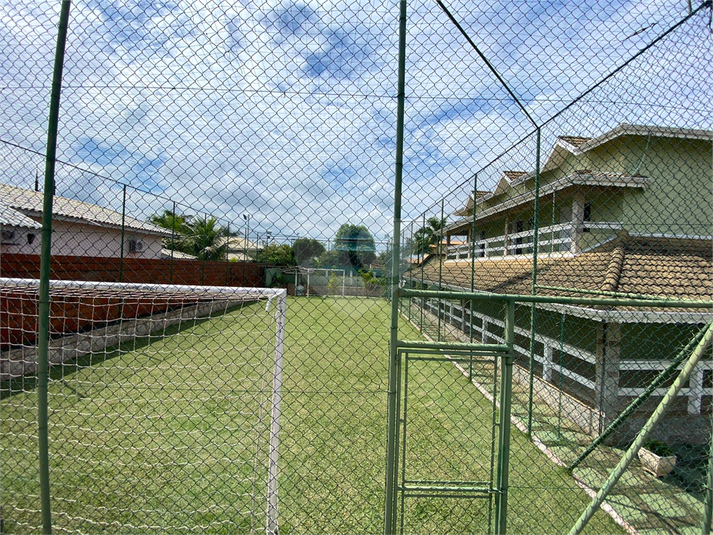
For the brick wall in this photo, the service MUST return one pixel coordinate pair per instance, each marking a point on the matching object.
(18, 309)
(161, 271)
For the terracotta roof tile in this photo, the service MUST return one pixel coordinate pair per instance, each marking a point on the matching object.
(684, 276)
(575, 141)
(512, 175)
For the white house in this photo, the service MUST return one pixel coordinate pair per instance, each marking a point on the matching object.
(78, 228)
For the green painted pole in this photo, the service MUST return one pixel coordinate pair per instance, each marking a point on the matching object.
(392, 415)
(653, 420)
(708, 499)
(440, 266)
(501, 499)
(473, 230)
(528, 298)
(640, 399)
(173, 240)
(533, 310)
(45, 259)
(423, 259)
(123, 231)
(601, 292)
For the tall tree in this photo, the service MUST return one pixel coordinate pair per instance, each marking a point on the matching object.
(177, 223)
(204, 239)
(307, 250)
(355, 245)
(276, 255)
(428, 235)
(200, 237)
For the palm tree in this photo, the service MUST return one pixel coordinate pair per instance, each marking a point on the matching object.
(428, 235)
(204, 238)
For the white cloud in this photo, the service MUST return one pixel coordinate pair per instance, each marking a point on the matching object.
(287, 110)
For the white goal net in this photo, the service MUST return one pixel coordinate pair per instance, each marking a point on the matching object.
(163, 402)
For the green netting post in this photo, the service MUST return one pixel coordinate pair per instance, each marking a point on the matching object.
(123, 231)
(501, 498)
(560, 374)
(422, 256)
(45, 259)
(653, 420)
(392, 395)
(473, 230)
(535, 246)
(173, 240)
(440, 266)
(708, 500)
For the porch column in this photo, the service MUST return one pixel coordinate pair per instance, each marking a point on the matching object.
(607, 373)
(577, 220)
(506, 244)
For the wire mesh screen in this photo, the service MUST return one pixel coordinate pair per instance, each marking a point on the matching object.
(547, 149)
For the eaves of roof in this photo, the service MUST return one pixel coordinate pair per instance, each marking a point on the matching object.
(29, 203)
(12, 218)
(575, 179)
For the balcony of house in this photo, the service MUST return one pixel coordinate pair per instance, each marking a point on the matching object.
(562, 238)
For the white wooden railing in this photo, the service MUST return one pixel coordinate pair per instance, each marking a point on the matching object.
(461, 317)
(552, 238)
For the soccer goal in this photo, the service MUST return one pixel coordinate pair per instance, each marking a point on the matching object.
(163, 407)
(320, 281)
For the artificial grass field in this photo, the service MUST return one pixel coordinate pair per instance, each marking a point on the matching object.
(168, 435)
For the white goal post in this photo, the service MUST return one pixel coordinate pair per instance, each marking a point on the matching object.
(150, 382)
(321, 281)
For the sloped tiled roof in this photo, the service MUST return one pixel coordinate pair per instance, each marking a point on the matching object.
(575, 141)
(512, 175)
(642, 268)
(12, 218)
(29, 203)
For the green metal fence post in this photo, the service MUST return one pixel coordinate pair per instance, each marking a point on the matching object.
(173, 239)
(623, 464)
(423, 261)
(501, 499)
(440, 266)
(45, 259)
(473, 230)
(392, 416)
(708, 499)
(123, 232)
(533, 309)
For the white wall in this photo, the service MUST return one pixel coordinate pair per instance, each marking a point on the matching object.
(77, 239)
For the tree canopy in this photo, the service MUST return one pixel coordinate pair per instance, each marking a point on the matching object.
(355, 245)
(276, 255)
(307, 250)
(200, 237)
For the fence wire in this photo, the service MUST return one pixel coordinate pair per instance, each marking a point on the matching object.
(562, 150)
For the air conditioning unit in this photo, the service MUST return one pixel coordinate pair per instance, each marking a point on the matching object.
(136, 246)
(8, 236)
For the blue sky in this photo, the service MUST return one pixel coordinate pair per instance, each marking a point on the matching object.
(287, 110)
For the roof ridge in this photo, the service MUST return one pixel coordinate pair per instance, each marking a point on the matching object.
(616, 265)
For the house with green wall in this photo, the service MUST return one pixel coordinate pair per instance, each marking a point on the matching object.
(628, 212)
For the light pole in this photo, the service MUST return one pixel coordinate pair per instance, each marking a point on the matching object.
(246, 217)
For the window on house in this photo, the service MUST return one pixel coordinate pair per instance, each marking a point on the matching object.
(587, 216)
(519, 227)
(482, 243)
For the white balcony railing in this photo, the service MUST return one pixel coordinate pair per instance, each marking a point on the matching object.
(553, 238)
